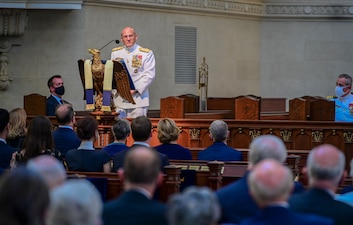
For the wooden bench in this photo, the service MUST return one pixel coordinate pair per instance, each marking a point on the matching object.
(170, 185)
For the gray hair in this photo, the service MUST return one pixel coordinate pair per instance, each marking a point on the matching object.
(195, 206)
(267, 147)
(49, 168)
(76, 202)
(347, 77)
(270, 181)
(121, 129)
(219, 130)
(323, 171)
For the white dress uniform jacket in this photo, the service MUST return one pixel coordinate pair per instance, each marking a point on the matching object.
(140, 63)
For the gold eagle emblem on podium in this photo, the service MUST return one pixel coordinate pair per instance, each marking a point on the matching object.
(120, 78)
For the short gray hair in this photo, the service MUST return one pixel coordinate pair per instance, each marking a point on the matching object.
(195, 206)
(219, 130)
(347, 77)
(76, 202)
(267, 147)
(320, 171)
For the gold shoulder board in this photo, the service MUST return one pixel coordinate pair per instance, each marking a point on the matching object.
(117, 48)
(331, 97)
(144, 49)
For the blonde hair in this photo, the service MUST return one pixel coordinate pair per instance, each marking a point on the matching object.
(167, 131)
(18, 121)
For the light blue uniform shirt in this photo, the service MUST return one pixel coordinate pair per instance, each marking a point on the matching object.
(342, 111)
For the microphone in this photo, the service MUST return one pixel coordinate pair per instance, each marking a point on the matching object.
(116, 41)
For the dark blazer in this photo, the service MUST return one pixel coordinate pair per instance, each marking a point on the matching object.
(114, 148)
(52, 103)
(65, 139)
(118, 160)
(174, 151)
(86, 160)
(134, 208)
(220, 151)
(278, 215)
(236, 202)
(320, 202)
(5, 155)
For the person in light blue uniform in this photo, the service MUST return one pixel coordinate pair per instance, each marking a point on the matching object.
(344, 99)
(140, 63)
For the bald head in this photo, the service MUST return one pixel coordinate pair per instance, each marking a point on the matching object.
(51, 169)
(270, 182)
(325, 163)
(267, 147)
(142, 165)
(65, 114)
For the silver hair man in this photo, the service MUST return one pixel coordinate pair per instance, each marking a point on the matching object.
(267, 147)
(76, 202)
(195, 206)
(219, 131)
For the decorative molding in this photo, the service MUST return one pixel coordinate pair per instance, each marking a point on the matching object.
(194, 133)
(348, 136)
(311, 10)
(318, 136)
(286, 135)
(41, 4)
(254, 133)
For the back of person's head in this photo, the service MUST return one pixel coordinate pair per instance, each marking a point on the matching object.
(325, 163)
(167, 131)
(4, 119)
(121, 129)
(270, 182)
(351, 166)
(219, 130)
(50, 80)
(76, 202)
(141, 128)
(347, 77)
(267, 147)
(24, 198)
(142, 166)
(18, 123)
(64, 114)
(86, 128)
(195, 206)
(51, 169)
(38, 138)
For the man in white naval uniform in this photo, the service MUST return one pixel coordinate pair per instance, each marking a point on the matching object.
(344, 100)
(140, 63)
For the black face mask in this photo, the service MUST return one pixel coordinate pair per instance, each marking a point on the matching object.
(60, 90)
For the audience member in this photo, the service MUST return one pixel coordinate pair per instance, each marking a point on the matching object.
(6, 150)
(38, 141)
(347, 193)
(65, 138)
(85, 158)
(52, 170)
(17, 128)
(325, 171)
(195, 206)
(235, 200)
(57, 90)
(344, 98)
(168, 134)
(270, 185)
(219, 150)
(76, 202)
(141, 175)
(24, 198)
(141, 129)
(121, 130)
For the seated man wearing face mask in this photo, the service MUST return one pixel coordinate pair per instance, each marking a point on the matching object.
(57, 90)
(344, 100)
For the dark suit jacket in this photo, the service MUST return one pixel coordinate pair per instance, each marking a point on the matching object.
(65, 139)
(278, 215)
(134, 208)
(220, 151)
(118, 160)
(5, 155)
(320, 202)
(52, 103)
(236, 202)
